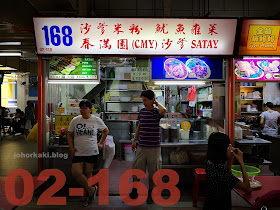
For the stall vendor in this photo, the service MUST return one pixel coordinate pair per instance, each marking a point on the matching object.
(269, 119)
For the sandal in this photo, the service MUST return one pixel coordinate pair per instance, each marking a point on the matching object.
(92, 198)
(84, 203)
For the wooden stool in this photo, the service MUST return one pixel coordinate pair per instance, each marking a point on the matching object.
(199, 175)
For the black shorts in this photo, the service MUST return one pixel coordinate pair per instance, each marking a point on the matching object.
(88, 159)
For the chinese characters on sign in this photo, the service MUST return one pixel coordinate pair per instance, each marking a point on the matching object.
(142, 70)
(134, 36)
(263, 37)
(62, 121)
(140, 74)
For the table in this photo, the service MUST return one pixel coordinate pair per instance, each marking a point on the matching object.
(274, 152)
(255, 147)
(268, 183)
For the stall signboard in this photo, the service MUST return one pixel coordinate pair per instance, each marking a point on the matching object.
(60, 110)
(73, 67)
(179, 68)
(142, 71)
(134, 36)
(73, 107)
(62, 121)
(258, 69)
(260, 37)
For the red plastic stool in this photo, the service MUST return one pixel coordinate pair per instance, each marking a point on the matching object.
(199, 175)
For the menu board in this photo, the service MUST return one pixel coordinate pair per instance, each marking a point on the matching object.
(73, 107)
(258, 69)
(62, 121)
(73, 67)
(180, 68)
(260, 37)
(142, 71)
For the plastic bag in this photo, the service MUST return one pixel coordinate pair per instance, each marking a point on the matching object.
(178, 157)
(108, 151)
(238, 133)
(33, 135)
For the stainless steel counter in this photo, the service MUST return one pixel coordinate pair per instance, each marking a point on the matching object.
(254, 141)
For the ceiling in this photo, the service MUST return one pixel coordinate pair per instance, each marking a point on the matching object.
(16, 17)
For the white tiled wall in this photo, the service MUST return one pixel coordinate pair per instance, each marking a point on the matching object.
(272, 93)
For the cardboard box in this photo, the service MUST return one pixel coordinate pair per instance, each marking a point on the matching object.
(127, 75)
(134, 86)
(261, 84)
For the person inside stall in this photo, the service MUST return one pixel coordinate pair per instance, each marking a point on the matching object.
(84, 149)
(269, 119)
(29, 117)
(220, 180)
(4, 120)
(148, 153)
(18, 122)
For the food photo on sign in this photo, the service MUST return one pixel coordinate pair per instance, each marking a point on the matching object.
(73, 67)
(180, 68)
(258, 69)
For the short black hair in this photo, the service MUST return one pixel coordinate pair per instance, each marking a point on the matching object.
(85, 102)
(149, 94)
(28, 102)
(269, 105)
(217, 147)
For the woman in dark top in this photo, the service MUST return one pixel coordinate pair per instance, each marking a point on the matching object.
(219, 178)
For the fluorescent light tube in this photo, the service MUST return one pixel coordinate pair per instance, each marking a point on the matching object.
(9, 83)
(10, 54)
(12, 106)
(73, 82)
(177, 82)
(7, 68)
(10, 43)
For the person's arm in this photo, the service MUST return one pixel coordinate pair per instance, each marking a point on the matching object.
(70, 137)
(245, 185)
(136, 136)
(230, 157)
(161, 108)
(262, 122)
(105, 132)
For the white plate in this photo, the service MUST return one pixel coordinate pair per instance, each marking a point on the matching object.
(253, 183)
(245, 77)
(192, 63)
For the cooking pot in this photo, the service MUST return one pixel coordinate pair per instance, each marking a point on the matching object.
(174, 134)
(165, 134)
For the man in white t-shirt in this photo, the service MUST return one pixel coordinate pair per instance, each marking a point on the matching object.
(269, 119)
(82, 140)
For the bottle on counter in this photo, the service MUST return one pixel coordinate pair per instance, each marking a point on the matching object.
(61, 139)
(172, 109)
(112, 74)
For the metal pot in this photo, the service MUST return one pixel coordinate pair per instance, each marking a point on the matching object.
(174, 134)
(196, 135)
(165, 134)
